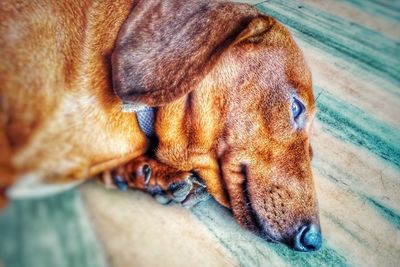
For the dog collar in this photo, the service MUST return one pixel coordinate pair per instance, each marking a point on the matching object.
(144, 115)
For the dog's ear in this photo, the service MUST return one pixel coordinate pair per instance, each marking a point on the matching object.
(165, 48)
(259, 30)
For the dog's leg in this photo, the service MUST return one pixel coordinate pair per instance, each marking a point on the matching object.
(7, 172)
(6, 180)
(165, 183)
(212, 178)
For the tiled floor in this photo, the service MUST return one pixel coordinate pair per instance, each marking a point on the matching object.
(353, 48)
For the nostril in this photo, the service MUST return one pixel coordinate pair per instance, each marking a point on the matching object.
(308, 238)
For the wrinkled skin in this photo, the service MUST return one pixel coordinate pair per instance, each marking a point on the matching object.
(236, 130)
(222, 77)
(266, 157)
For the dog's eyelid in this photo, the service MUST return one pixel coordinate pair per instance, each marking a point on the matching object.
(298, 111)
(297, 107)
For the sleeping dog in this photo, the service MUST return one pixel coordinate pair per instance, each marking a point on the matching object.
(231, 91)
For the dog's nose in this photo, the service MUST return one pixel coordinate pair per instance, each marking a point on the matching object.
(308, 238)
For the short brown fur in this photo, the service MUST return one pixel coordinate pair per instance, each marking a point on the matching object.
(221, 75)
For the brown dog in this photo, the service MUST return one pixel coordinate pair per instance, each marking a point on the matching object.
(233, 92)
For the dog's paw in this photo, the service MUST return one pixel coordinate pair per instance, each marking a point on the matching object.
(164, 183)
(175, 187)
(123, 178)
(178, 191)
(188, 192)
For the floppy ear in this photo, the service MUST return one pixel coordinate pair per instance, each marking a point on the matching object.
(165, 48)
(259, 30)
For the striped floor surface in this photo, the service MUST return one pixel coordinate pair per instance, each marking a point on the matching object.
(353, 49)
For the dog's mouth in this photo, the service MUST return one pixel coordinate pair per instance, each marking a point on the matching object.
(271, 220)
(243, 209)
(255, 219)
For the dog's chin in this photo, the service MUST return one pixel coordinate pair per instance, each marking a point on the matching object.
(241, 204)
(266, 232)
(245, 214)
(244, 209)
(248, 218)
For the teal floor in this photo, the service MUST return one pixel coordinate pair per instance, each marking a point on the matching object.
(353, 48)
(49, 232)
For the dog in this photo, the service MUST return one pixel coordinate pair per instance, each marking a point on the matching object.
(231, 90)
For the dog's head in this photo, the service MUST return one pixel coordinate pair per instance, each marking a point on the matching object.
(167, 49)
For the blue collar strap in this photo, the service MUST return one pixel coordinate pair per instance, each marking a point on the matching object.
(144, 115)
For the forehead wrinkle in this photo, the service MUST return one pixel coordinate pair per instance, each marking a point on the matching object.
(299, 77)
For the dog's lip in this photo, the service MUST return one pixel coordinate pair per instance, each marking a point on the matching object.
(256, 220)
(263, 225)
(248, 207)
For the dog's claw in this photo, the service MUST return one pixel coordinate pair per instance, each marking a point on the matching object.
(198, 181)
(180, 190)
(195, 197)
(158, 194)
(162, 198)
(154, 190)
(147, 173)
(189, 192)
(177, 192)
(120, 183)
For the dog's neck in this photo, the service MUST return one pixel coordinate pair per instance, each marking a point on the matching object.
(211, 113)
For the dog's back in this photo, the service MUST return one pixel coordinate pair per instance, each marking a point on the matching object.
(56, 90)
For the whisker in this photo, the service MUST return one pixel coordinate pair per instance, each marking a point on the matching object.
(261, 2)
(316, 99)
